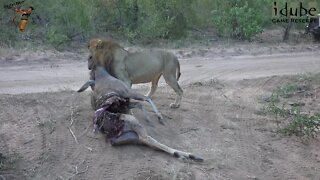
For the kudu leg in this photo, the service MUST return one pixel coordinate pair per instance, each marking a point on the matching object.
(131, 123)
(141, 107)
(140, 97)
(129, 137)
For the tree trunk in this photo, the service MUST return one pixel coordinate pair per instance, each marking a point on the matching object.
(287, 30)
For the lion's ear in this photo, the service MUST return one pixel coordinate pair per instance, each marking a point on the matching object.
(99, 44)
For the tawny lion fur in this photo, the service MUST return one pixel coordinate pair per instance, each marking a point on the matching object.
(139, 67)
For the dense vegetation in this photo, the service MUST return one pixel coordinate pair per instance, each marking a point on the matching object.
(60, 21)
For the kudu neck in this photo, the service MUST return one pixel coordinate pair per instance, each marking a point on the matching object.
(101, 72)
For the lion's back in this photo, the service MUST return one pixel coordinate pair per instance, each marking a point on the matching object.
(143, 67)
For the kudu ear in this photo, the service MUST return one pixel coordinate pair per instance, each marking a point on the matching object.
(91, 63)
(86, 85)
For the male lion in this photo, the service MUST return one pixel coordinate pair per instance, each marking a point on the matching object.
(139, 67)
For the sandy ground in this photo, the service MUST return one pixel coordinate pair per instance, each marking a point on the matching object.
(219, 120)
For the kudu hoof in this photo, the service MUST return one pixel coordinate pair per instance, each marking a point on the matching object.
(174, 106)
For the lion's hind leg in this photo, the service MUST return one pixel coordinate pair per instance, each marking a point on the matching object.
(171, 80)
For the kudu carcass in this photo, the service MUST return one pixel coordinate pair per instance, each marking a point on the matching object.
(111, 100)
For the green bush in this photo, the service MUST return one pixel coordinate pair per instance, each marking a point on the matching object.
(69, 19)
(145, 19)
(59, 22)
(237, 19)
(293, 120)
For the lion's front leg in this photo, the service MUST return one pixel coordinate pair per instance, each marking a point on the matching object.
(154, 86)
(121, 73)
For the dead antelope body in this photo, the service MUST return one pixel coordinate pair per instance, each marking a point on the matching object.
(111, 100)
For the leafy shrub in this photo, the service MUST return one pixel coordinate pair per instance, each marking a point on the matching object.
(69, 19)
(293, 120)
(145, 19)
(58, 22)
(237, 19)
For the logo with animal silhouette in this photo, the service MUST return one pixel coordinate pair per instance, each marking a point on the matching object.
(22, 12)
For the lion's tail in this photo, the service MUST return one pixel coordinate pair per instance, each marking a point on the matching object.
(178, 70)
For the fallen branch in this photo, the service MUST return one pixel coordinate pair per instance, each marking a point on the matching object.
(75, 138)
(89, 148)
(79, 172)
(71, 116)
(71, 123)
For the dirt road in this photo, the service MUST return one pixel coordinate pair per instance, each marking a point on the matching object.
(218, 120)
(61, 75)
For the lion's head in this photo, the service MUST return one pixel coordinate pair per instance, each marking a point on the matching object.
(102, 52)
